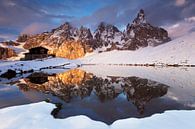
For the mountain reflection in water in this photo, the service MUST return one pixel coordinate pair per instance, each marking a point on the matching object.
(105, 99)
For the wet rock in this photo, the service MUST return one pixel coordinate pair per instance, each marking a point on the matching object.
(54, 113)
(38, 78)
(23, 87)
(9, 74)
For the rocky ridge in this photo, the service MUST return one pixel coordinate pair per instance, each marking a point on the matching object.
(71, 42)
(6, 49)
(6, 53)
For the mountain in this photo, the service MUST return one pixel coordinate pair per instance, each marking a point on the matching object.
(71, 42)
(142, 34)
(64, 41)
(6, 53)
(7, 49)
(176, 52)
(12, 50)
(107, 36)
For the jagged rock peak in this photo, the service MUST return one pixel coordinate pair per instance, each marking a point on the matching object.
(85, 34)
(65, 26)
(107, 27)
(107, 34)
(140, 19)
(106, 37)
(142, 34)
(65, 32)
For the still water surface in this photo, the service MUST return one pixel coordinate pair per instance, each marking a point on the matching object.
(104, 93)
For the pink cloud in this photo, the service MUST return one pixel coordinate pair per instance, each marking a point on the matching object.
(35, 28)
(180, 2)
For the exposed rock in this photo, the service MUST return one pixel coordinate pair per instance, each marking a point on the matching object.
(64, 41)
(10, 43)
(9, 74)
(141, 34)
(35, 40)
(38, 78)
(22, 38)
(107, 34)
(69, 49)
(71, 42)
(6, 53)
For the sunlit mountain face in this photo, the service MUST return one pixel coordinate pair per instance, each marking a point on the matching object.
(103, 98)
(73, 29)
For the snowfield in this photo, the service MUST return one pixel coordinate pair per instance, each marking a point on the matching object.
(36, 65)
(178, 51)
(37, 116)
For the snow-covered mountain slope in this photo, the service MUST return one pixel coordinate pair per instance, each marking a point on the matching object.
(72, 42)
(140, 33)
(179, 51)
(19, 51)
(16, 47)
(107, 35)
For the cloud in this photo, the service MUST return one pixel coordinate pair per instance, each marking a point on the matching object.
(4, 37)
(98, 16)
(36, 28)
(182, 28)
(180, 2)
(190, 19)
(21, 13)
(119, 13)
(158, 12)
(25, 16)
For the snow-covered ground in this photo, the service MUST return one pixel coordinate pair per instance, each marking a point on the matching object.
(36, 64)
(37, 116)
(178, 51)
(18, 49)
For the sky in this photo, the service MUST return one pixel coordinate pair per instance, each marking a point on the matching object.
(36, 16)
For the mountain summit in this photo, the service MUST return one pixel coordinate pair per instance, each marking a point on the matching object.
(71, 42)
(140, 33)
(140, 19)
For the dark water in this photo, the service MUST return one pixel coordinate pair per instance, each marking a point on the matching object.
(103, 98)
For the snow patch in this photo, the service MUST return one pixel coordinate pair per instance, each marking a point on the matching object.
(37, 116)
(35, 65)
